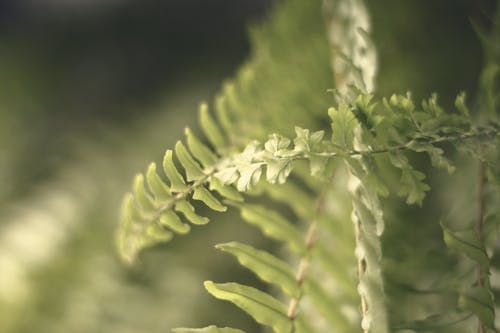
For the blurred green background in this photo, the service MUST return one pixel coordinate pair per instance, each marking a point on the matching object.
(90, 91)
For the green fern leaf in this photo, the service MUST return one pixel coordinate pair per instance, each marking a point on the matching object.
(159, 189)
(343, 125)
(264, 308)
(151, 212)
(208, 199)
(468, 243)
(193, 169)
(211, 129)
(189, 213)
(273, 225)
(202, 152)
(129, 246)
(144, 199)
(170, 220)
(411, 182)
(227, 192)
(177, 183)
(479, 301)
(264, 265)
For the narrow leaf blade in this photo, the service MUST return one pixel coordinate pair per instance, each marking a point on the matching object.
(199, 150)
(264, 308)
(159, 189)
(467, 243)
(173, 222)
(226, 191)
(188, 211)
(193, 169)
(266, 266)
(143, 198)
(479, 301)
(204, 195)
(177, 183)
(273, 225)
(210, 128)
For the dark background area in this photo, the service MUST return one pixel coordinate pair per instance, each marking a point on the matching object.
(94, 59)
(70, 68)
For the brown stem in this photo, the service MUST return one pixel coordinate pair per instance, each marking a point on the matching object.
(293, 305)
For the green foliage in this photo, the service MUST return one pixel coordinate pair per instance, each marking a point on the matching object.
(252, 152)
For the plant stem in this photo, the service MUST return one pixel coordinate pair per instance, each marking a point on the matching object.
(361, 270)
(479, 227)
(179, 196)
(310, 239)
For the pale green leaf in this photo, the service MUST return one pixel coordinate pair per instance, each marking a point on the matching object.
(223, 113)
(158, 234)
(204, 195)
(144, 199)
(188, 211)
(159, 189)
(479, 301)
(343, 124)
(173, 222)
(264, 308)
(227, 175)
(468, 243)
(273, 225)
(301, 141)
(411, 182)
(266, 266)
(210, 128)
(129, 216)
(193, 169)
(227, 192)
(201, 152)
(249, 175)
(177, 183)
(276, 143)
(435, 154)
(316, 138)
(153, 235)
(278, 170)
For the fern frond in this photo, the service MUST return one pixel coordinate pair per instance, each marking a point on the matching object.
(368, 134)
(151, 212)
